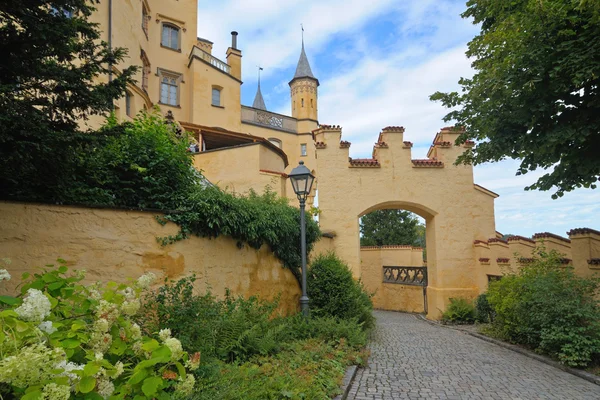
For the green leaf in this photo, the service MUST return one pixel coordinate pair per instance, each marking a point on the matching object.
(87, 384)
(56, 285)
(91, 369)
(11, 301)
(138, 376)
(8, 313)
(62, 269)
(162, 351)
(152, 362)
(151, 385)
(22, 326)
(70, 343)
(36, 394)
(181, 370)
(150, 345)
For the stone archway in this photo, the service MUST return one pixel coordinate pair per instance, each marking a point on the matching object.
(456, 210)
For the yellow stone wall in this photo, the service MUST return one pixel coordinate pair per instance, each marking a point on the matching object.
(391, 296)
(242, 168)
(456, 211)
(118, 245)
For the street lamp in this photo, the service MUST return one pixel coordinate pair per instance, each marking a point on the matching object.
(302, 181)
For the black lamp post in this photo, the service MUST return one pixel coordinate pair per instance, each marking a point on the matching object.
(302, 181)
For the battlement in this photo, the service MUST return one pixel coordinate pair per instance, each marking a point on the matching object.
(390, 145)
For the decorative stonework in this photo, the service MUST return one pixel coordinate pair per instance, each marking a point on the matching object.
(304, 86)
(364, 162)
(266, 118)
(320, 145)
(443, 144)
(583, 231)
(484, 261)
(407, 145)
(516, 238)
(344, 144)
(428, 163)
(548, 235)
(503, 260)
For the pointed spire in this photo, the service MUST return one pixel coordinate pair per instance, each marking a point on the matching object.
(259, 102)
(303, 69)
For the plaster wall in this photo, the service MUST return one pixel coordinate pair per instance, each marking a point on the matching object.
(391, 296)
(239, 169)
(115, 245)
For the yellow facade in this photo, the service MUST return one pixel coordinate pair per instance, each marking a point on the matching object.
(248, 147)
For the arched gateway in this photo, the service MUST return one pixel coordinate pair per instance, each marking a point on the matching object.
(457, 211)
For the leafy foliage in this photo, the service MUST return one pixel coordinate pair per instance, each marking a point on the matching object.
(534, 95)
(391, 227)
(484, 312)
(52, 57)
(547, 307)
(63, 339)
(459, 311)
(333, 291)
(255, 219)
(306, 369)
(235, 329)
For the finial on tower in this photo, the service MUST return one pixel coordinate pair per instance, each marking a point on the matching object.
(302, 26)
(259, 102)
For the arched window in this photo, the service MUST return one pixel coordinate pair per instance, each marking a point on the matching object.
(216, 96)
(128, 104)
(170, 36)
(276, 142)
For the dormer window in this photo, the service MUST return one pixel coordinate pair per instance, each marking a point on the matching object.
(170, 36)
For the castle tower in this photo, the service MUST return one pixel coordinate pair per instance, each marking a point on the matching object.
(259, 102)
(303, 90)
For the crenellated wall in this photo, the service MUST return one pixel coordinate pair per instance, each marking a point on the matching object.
(456, 210)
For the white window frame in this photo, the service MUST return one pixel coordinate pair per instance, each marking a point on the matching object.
(128, 104)
(303, 150)
(169, 80)
(216, 89)
(171, 27)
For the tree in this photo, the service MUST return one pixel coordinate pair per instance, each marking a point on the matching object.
(535, 95)
(52, 57)
(391, 227)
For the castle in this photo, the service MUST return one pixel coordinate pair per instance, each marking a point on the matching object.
(248, 147)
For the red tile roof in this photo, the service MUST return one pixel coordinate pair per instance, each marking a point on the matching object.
(331, 127)
(443, 144)
(495, 240)
(515, 238)
(479, 241)
(469, 143)
(344, 144)
(502, 260)
(594, 261)
(484, 260)
(364, 162)
(320, 145)
(453, 129)
(582, 231)
(546, 235)
(427, 163)
(383, 145)
(526, 260)
(393, 129)
(407, 144)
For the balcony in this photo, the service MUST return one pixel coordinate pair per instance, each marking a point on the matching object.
(268, 119)
(214, 61)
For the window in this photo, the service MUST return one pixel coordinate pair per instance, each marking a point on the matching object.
(302, 102)
(275, 141)
(303, 149)
(128, 101)
(169, 90)
(145, 18)
(145, 70)
(311, 103)
(170, 37)
(216, 96)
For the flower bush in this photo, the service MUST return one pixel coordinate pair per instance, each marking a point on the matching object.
(64, 340)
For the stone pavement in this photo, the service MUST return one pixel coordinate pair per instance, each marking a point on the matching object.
(411, 359)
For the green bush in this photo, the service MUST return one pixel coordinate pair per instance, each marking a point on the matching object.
(307, 369)
(484, 312)
(459, 311)
(546, 307)
(334, 292)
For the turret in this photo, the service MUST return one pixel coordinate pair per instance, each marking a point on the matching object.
(303, 90)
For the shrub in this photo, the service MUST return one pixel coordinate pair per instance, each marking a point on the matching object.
(333, 291)
(326, 328)
(547, 307)
(61, 337)
(232, 329)
(459, 311)
(484, 312)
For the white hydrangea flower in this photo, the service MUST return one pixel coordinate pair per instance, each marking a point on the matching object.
(136, 331)
(164, 334)
(120, 368)
(129, 293)
(4, 275)
(100, 342)
(108, 311)
(101, 325)
(30, 365)
(105, 388)
(185, 388)
(35, 308)
(47, 327)
(176, 349)
(95, 294)
(146, 280)
(131, 307)
(52, 391)
(98, 355)
(68, 368)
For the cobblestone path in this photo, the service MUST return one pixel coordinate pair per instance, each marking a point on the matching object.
(411, 359)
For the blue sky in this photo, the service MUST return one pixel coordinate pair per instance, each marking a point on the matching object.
(378, 61)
